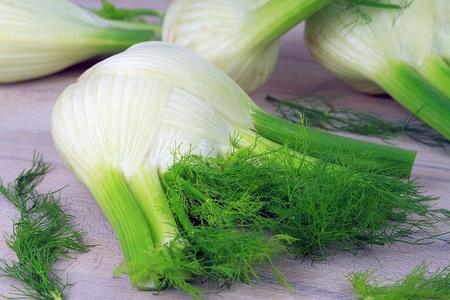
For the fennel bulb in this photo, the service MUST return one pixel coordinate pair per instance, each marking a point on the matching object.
(393, 51)
(238, 36)
(119, 126)
(41, 37)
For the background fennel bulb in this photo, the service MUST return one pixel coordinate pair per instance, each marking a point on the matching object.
(40, 37)
(393, 51)
(119, 126)
(239, 36)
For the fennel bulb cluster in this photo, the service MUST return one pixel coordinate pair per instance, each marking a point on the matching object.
(120, 125)
(40, 37)
(401, 52)
(239, 36)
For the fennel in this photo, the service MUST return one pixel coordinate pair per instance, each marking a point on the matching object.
(320, 206)
(418, 284)
(62, 34)
(241, 36)
(43, 235)
(395, 52)
(320, 112)
(137, 108)
(242, 210)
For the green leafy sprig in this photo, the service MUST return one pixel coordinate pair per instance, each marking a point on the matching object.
(319, 204)
(111, 12)
(42, 235)
(418, 284)
(319, 112)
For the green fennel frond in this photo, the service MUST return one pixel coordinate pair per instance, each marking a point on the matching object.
(418, 284)
(320, 112)
(110, 11)
(319, 205)
(42, 235)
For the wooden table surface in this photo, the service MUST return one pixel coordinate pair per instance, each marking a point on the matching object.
(25, 110)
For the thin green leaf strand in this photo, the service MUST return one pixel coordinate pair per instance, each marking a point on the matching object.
(320, 112)
(358, 7)
(418, 284)
(319, 205)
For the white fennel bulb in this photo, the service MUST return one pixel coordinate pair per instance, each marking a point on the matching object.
(40, 37)
(239, 36)
(391, 50)
(119, 125)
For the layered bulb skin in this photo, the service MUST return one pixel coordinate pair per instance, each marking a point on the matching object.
(134, 113)
(356, 50)
(222, 32)
(393, 51)
(41, 37)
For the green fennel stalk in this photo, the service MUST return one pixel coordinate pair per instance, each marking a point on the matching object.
(43, 235)
(330, 147)
(272, 20)
(396, 52)
(419, 96)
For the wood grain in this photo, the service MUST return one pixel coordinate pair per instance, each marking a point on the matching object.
(25, 111)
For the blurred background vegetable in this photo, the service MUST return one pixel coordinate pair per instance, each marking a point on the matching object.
(241, 36)
(41, 37)
(394, 51)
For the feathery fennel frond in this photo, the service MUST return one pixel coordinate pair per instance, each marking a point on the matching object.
(43, 234)
(420, 283)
